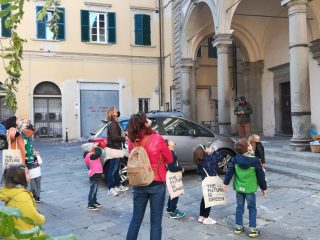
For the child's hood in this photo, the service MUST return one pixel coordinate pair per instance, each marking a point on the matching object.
(244, 161)
(8, 193)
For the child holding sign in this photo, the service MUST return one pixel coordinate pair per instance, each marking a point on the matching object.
(173, 167)
(205, 159)
(248, 175)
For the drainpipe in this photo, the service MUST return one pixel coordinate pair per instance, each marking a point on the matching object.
(160, 56)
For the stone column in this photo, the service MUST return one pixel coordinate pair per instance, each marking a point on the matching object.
(223, 43)
(186, 82)
(299, 73)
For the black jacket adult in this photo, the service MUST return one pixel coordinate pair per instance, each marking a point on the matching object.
(115, 139)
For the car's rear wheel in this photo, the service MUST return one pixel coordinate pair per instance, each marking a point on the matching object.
(224, 163)
(3, 143)
(123, 172)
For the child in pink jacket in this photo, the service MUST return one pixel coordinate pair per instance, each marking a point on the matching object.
(92, 160)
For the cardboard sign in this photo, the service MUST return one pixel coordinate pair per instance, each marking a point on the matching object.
(174, 184)
(213, 193)
(9, 157)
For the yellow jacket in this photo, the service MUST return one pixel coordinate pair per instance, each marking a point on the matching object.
(19, 197)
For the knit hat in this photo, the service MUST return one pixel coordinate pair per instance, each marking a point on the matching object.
(241, 98)
(10, 122)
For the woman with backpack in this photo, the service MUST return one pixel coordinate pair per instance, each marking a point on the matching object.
(140, 133)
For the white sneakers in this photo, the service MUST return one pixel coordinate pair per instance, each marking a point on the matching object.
(112, 192)
(115, 191)
(121, 188)
(207, 221)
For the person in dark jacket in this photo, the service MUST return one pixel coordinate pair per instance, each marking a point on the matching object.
(116, 138)
(243, 110)
(248, 174)
(174, 167)
(258, 149)
(206, 160)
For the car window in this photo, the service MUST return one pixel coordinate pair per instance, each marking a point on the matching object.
(154, 124)
(100, 126)
(103, 133)
(202, 131)
(124, 125)
(179, 127)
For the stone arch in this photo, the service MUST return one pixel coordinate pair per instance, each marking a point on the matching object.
(187, 41)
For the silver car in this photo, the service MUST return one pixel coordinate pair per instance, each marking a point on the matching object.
(185, 133)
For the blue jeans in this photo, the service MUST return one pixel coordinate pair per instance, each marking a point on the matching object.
(93, 191)
(251, 202)
(156, 193)
(113, 176)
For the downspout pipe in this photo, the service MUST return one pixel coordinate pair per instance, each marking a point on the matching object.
(160, 54)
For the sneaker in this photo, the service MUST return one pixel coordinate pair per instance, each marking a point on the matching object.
(209, 221)
(254, 233)
(112, 192)
(121, 188)
(177, 214)
(97, 205)
(92, 208)
(200, 219)
(37, 200)
(239, 230)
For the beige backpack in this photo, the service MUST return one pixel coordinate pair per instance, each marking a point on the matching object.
(140, 172)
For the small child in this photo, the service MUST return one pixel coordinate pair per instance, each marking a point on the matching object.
(258, 149)
(172, 209)
(206, 160)
(32, 161)
(14, 194)
(248, 174)
(92, 160)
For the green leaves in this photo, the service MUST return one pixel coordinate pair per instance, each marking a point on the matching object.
(7, 227)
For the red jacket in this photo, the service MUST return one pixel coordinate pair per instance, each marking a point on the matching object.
(156, 147)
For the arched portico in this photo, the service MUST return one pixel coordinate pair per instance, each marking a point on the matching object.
(262, 32)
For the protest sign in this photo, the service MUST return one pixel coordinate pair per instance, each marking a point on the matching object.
(174, 184)
(213, 193)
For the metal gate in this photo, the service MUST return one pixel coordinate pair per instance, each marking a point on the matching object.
(47, 110)
(47, 117)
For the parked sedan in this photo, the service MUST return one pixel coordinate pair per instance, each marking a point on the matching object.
(185, 133)
(3, 137)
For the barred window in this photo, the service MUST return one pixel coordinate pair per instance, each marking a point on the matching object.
(144, 105)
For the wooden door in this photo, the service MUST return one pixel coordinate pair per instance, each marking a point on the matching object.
(286, 123)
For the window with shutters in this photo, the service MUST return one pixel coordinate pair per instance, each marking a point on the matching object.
(142, 29)
(4, 31)
(98, 27)
(144, 105)
(43, 26)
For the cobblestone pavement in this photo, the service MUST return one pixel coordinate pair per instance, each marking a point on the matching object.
(290, 211)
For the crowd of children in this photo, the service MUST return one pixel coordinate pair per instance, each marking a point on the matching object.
(247, 169)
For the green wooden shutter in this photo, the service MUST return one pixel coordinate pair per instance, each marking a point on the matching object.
(6, 32)
(61, 25)
(85, 28)
(138, 29)
(112, 27)
(41, 25)
(146, 30)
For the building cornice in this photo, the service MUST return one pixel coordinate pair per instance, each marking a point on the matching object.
(106, 58)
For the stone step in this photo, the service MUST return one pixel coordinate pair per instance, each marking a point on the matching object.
(295, 163)
(301, 174)
(306, 156)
